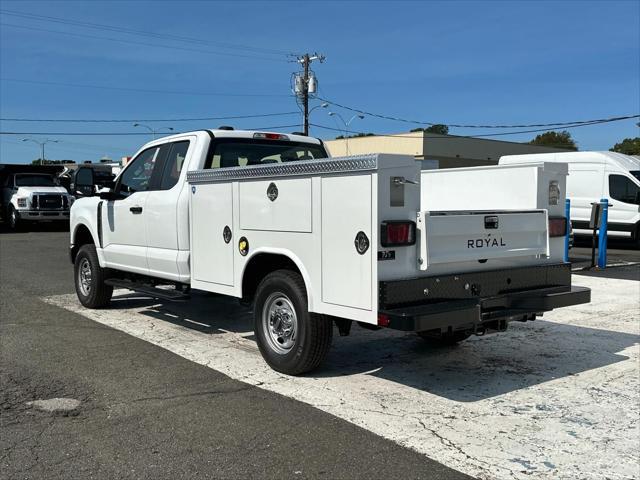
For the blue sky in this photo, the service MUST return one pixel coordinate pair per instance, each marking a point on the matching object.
(467, 62)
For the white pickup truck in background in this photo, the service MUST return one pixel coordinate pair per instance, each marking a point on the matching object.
(312, 241)
(32, 193)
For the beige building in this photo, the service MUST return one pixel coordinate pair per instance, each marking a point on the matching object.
(450, 150)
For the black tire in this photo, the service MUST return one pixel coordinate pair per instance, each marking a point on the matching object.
(636, 238)
(445, 339)
(93, 293)
(279, 295)
(13, 219)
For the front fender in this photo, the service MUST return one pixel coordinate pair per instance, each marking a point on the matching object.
(84, 213)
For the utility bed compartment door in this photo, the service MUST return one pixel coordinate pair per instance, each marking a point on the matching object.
(447, 237)
(211, 213)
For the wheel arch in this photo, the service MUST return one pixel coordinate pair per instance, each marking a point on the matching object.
(265, 261)
(82, 235)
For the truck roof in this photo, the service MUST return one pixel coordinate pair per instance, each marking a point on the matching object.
(224, 133)
(619, 160)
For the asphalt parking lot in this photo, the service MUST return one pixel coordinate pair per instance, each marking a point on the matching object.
(179, 390)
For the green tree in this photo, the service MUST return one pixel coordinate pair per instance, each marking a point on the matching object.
(438, 128)
(555, 139)
(628, 146)
(357, 135)
(51, 162)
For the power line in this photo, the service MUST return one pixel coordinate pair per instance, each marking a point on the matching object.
(417, 122)
(132, 42)
(88, 134)
(447, 137)
(143, 90)
(130, 120)
(130, 31)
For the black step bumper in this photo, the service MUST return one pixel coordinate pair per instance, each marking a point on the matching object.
(483, 314)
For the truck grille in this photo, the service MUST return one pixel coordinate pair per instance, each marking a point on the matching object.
(48, 202)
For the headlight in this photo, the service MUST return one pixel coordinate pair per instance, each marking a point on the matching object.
(22, 202)
(554, 193)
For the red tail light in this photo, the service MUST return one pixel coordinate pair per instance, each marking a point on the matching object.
(557, 226)
(270, 136)
(394, 233)
(383, 320)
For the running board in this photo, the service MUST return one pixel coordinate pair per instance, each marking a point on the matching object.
(153, 292)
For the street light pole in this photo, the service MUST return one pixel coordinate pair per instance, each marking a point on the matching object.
(346, 126)
(42, 144)
(152, 130)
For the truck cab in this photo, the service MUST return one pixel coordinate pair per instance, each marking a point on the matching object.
(312, 242)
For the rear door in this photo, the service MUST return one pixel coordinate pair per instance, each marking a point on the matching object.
(448, 237)
(124, 233)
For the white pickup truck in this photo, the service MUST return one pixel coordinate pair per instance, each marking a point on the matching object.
(32, 193)
(312, 241)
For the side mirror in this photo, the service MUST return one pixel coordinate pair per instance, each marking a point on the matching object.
(107, 194)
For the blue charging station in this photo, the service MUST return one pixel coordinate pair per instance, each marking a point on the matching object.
(602, 233)
(567, 212)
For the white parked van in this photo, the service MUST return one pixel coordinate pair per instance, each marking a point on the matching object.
(596, 175)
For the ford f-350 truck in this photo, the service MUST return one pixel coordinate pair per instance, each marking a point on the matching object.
(312, 242)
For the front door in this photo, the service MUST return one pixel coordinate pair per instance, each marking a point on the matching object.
(623, 197)
(124, 234)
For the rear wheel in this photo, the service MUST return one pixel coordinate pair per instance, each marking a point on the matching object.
(444, 339)
(291, 339)
(89, 279)
(636, 238)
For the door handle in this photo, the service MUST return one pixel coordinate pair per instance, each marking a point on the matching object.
(135, 209)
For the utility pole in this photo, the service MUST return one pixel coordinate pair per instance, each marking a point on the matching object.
(306, 83)
(42, 144)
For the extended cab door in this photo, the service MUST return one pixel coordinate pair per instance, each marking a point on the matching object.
(124, 234)
(166, 198)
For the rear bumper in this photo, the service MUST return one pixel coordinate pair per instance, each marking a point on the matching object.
(478, 301)
(485, 314)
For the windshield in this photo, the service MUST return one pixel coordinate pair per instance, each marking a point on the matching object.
(35, 180)
(635, 173)
(243, 152)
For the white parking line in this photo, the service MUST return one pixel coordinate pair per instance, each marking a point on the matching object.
(557, 397)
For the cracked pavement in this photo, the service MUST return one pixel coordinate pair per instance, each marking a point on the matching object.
(146, 412)
(558, 397)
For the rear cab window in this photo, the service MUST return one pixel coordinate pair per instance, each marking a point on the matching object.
(241, 152)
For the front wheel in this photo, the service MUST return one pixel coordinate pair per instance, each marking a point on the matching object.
(14, 218)
(291, 339)
(89, 279)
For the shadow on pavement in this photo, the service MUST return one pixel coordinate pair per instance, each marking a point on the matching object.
(58, 226)
(480, 368)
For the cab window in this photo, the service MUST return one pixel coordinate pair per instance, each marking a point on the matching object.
(137, 176)
(173, 164)
(621, 188)
(246, 152)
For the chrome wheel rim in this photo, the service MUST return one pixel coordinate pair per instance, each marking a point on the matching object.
(279, 323)
(13, 218)
(84, 277)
